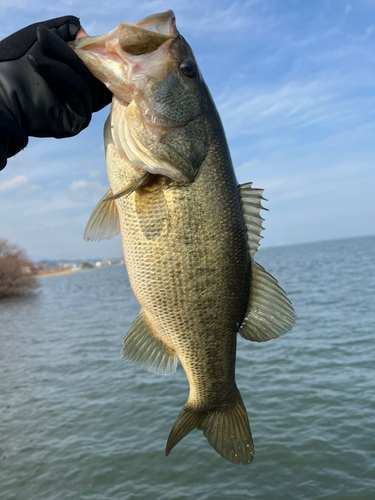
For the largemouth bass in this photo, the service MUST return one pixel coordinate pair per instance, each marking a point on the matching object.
(189, 233)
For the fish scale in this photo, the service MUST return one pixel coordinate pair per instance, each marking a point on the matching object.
(192, 279)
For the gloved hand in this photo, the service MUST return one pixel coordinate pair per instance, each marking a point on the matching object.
(45, 89)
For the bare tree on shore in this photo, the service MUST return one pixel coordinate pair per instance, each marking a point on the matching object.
(15, 270)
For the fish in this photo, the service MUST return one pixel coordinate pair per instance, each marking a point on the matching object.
(189, 232)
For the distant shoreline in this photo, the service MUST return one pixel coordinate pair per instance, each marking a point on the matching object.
(56, 272)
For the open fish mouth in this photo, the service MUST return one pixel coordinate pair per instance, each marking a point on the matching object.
(123, 55)
(138, 38)
(132, 60)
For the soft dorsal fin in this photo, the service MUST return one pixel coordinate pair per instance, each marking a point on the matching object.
(269, 311)
(141, 347)
(103, 222)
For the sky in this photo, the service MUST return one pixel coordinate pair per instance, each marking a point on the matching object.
(294, 83)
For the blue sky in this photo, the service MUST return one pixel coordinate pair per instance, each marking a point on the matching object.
(294, 82)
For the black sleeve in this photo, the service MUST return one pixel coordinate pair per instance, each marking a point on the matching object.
(45, 89)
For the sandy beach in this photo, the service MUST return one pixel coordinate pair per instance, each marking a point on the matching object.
(55, 272)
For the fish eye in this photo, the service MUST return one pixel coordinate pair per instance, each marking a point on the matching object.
(189, 69)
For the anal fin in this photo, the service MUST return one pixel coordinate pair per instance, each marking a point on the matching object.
(141, 347)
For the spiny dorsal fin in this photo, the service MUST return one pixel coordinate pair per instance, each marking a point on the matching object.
(269, 311)
(251, 205)
(141, 347)
(103, 222)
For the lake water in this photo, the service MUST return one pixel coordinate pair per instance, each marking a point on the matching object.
(77, 422)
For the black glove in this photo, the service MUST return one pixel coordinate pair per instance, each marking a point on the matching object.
(45, 89)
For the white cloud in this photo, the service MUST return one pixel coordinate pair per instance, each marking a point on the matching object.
(296, 95)
(12, 4)
(246, 165)
(14, 183)
(86, 193)
(369, 30)
(295, 104)
(77, 185)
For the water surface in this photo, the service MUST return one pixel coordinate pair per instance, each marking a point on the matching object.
(78, 422)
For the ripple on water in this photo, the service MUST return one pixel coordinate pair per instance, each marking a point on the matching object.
(78, 422)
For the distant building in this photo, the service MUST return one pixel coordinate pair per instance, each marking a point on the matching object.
(86, 265)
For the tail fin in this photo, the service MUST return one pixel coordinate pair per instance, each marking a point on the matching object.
(227, 431)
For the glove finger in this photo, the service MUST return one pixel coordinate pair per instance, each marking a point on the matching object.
(72, 92)
(53, 47)
(67, 27)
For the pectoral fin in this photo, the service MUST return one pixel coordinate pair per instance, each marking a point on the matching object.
(130, 187)
(103, 222)
(270, 313)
